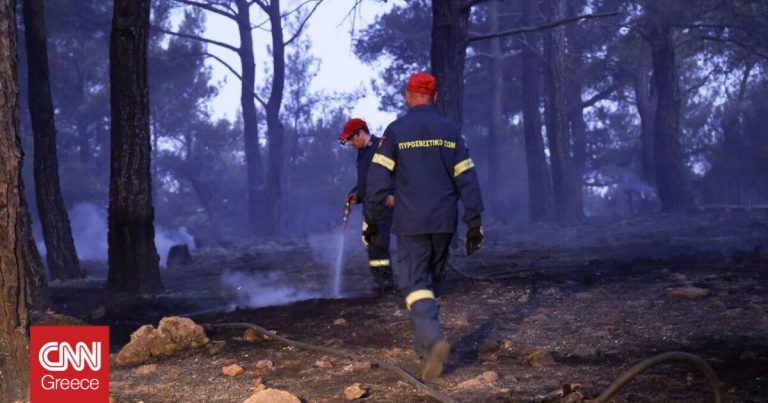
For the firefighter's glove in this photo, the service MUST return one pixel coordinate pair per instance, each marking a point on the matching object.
(474, 239)
(370, 231)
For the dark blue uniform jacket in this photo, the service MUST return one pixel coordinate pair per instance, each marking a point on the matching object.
(364, 157)
(424, 158)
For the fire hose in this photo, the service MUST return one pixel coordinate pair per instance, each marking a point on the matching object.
(356, 357)
(693, 360)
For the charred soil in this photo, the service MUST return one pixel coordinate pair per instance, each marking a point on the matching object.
(539, 307)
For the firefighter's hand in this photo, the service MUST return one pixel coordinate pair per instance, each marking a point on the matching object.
(370, 230)
(390, 201)
(474, 239)
(351, 198)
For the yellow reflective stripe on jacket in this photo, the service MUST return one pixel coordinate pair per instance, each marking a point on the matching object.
(463, 166)
(378, 263)
(384, 161)
(418, 295)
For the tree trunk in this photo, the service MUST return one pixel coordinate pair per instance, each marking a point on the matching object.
(646, 108)
(539, 183)
(14, 345)
(255, 173)
(565, 177)
(450, 35)
(575, 109)
(57, 233)
(275, 129)
(670, 174)
(38, 297)
(133, 260)
(496, 124)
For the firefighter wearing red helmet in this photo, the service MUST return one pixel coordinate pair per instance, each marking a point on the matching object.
(359, 137)
(423, 157)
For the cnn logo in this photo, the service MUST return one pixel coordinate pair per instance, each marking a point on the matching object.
(77, 357)
(69, 364)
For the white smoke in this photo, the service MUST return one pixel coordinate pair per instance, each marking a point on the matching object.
(259, 290)
(89, 231)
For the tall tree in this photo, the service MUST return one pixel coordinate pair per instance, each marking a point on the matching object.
(14, 345)
(539, 182)
(133, 260)
(671, 182)
(496, 124)
(566, 180)
(57, 233)
(275, 128)
(450, 36)
(264, 205)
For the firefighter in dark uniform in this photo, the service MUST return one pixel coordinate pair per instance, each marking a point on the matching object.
(423, 157)
(356, 134)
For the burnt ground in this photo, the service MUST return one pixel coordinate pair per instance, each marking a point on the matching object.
(575, 306)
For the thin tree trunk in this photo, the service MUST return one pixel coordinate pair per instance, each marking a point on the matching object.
(496, 124)
(275, 129)
(575, 108)
(14, 345)
(255, 172)
(565, 177)
(670, 174)
(646, 108)
(133, 260)
(539, 182)
(450, 35)
(57, 233)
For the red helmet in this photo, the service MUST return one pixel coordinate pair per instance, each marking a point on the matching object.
(352, 126)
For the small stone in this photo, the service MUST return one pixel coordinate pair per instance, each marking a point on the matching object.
(264, 364)
(486, 378)
(362, 366)
(538, 318)
(323, 364)
(270, 395)
(732, 313)
(232, 370)
(687, 292)
(251, 335)
(112, 400)
(146, 369)
(98, 313)
(340, 322)
(355, 391)
(609, 318)
(507, 345)
(215, 347)
(459, 323)
(537, 358)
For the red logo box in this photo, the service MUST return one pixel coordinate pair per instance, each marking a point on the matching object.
(69, 364)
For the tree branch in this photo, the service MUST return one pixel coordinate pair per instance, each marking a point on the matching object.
(209, 7)
(552, 24)
(599, 96)
(301, 26)
(748, 47)
(239, 77)
(198, 38)
(703, 81)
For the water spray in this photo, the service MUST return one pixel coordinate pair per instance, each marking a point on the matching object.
(340, 257)
(345, 216)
